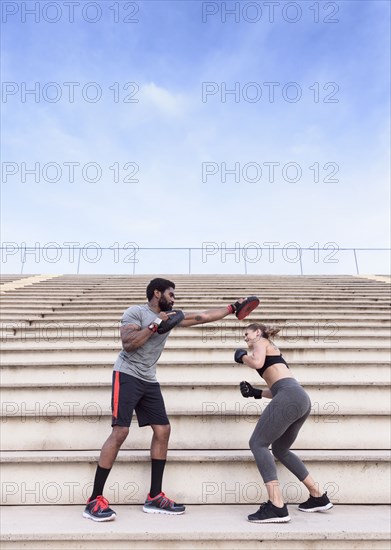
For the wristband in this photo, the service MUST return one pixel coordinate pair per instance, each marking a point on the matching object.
(231, 308)
(153, 327)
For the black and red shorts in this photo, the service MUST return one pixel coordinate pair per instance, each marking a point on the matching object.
(132, 394)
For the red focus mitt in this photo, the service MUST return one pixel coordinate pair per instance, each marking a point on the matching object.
(243, 309)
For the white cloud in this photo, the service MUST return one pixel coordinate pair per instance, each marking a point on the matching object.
(164, 101)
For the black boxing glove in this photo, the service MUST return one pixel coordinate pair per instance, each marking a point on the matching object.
(175, 317)
(247, 390)
(239, 354)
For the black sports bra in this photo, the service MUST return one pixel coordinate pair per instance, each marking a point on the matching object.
(271, 360)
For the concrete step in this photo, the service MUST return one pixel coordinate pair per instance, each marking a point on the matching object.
(213, 300)
(198, 351)
(60, 314)
(196, 292)
(201, 527)
(266, 309)
(315, 319)
(90, 372)
(337, 398)
(203, 300)
(291, 327)
(207, 338)
(195, 303)
(223, 527)
(194, 477)
(27, 281)
(126, 279)
(5, 278)
(49, 331)
(214, 427)
(208, 288)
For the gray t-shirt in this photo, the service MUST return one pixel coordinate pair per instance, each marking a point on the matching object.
(141, 363)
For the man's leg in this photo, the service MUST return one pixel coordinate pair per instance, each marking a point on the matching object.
(125, 395)
(107, 457)
(151, 411)
(157, 502)
(159, 448)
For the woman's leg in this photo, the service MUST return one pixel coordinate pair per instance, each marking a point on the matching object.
(279, 425)
(272, 424)
(312, 486)
(263, 435)
(281, 448)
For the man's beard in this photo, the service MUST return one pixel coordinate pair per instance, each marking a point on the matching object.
(164, 305)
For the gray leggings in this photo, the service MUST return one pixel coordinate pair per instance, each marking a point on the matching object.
(279, 425)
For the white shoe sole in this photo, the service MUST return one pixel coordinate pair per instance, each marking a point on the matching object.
(318, 508)
(271, 520)
(157, 511)
(110, 518)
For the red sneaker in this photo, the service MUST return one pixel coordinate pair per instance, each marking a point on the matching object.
(98, 510)
(160, 504)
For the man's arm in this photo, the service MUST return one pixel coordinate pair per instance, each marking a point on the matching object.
(198, 318)
(133, 336)
(242, 308)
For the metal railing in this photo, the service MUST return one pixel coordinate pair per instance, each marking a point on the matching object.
(291, 253)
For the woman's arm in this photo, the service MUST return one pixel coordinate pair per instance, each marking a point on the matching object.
(257, 359)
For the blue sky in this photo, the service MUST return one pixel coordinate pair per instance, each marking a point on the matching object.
(170, 133)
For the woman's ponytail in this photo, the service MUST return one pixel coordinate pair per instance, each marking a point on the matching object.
(266, 330)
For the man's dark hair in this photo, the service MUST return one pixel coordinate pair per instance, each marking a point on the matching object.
(158, 284)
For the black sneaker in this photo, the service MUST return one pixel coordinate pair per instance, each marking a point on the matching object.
(160, 504)
(268, 513)
(98, 510)
(316, 504)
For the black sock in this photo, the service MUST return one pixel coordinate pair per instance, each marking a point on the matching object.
(99, 482)
(157, 469)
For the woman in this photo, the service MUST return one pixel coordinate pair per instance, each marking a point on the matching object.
(279, 424)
